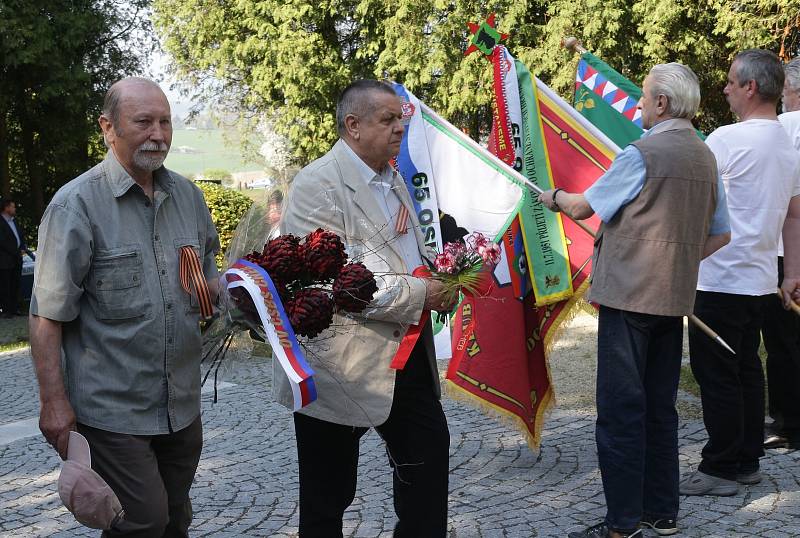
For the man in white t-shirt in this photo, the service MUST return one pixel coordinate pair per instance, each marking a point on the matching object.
(781, 327)
(761, 172)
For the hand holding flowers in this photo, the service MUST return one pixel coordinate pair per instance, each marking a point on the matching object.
(467, 266)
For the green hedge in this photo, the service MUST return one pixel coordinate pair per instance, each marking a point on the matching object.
(227, 208)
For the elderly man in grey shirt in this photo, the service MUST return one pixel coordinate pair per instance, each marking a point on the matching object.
(108, 294)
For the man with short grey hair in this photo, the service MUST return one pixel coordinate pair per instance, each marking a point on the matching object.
(107, 293)
(781, 330)
(791, 86)
(663, 209)
(354, 192)
(761, 172)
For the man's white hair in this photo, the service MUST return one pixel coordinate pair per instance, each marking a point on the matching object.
(792, 71)
(679, 85)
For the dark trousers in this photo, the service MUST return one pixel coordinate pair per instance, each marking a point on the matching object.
(781, 333)
(638, 367)
(417, 445)
(9, 289)
(731, 386)
(151, 475)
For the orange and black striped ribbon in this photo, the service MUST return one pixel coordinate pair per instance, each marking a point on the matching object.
(401, 225)
(191, 275)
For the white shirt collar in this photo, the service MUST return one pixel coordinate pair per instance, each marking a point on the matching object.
(368, 174)
(669, 125)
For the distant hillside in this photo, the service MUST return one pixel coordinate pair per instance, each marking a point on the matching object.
(196, 150)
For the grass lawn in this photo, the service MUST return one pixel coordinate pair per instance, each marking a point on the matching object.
(13, 333)
(211, 152)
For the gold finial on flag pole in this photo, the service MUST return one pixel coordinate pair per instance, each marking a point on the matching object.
(574, 44)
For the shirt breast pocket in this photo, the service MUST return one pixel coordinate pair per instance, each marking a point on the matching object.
(116, 284)
(189, 300)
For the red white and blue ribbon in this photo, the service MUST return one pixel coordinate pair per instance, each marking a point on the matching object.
(256, 281)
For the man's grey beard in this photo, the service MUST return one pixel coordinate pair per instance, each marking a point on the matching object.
(147, 162)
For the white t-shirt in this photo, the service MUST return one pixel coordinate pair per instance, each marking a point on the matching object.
(761, 172)
(790, 122)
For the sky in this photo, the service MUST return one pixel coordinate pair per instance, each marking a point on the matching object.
(179, 104)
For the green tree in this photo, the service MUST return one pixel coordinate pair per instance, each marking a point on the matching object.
(57, 57)
(290, 60)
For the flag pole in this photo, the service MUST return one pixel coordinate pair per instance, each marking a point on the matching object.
(574, 44)
(486, 154)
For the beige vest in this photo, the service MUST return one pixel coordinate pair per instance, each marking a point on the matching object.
(646, 259)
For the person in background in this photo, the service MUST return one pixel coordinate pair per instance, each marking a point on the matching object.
(761, 172)
(781, 330)
(12, 244)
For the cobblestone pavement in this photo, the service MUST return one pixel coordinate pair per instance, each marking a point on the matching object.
(247, 481)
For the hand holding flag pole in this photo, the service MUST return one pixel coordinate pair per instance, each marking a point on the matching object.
(486, 155)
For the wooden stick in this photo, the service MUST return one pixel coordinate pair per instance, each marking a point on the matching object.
(710, 332)
(574, 44)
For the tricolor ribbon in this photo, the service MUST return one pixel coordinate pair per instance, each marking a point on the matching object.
(412, 335)
(256, 281)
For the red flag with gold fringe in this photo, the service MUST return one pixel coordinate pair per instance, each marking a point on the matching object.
(500, 363)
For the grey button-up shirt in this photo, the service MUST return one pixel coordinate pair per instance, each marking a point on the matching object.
(108, 268)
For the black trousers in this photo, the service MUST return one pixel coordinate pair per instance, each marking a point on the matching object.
(417, 445)
(782, 339)
(9, 289)
(731, 386)
(151, 475)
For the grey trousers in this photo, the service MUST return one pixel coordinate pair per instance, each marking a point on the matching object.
(151, 475)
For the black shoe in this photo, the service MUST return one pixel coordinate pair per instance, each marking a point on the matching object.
(663, 527)
(601, 530)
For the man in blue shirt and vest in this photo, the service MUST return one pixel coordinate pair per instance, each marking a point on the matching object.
(663, 210)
